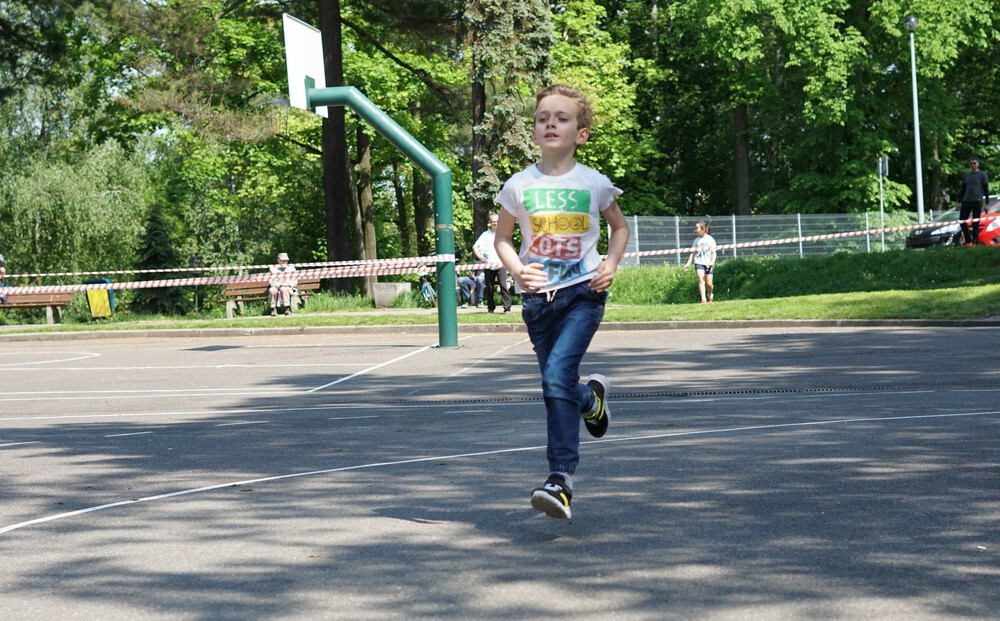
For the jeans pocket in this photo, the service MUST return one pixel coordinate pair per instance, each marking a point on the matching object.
(600, 296)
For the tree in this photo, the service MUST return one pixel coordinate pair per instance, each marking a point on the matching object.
(336, 182)
(82, 213)
(585, 56)
(510, 43)
(158, 251)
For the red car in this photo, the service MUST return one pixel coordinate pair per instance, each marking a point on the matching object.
(949, 232)
(989, 224)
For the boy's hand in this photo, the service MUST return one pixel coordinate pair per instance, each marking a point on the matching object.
(605, 276)
(532, 277)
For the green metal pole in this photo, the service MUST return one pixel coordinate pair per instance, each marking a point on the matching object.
(444, 224)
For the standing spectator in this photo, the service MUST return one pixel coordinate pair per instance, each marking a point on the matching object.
(975, 191)
(485, 252)
(704, 260)
(282, 285)
(557, 203)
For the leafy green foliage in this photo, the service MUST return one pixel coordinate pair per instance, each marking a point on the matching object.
(83, 214)
(510, 44)
(108, 106)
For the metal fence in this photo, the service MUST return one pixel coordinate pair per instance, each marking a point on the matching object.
(652, 233)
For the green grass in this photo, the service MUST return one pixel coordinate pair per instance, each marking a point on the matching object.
(743, 279)
(951, 303)
(940, 283)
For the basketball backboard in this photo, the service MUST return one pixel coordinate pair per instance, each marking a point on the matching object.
(303, 58)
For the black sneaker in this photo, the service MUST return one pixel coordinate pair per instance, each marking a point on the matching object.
(553, 498)
(597, 423)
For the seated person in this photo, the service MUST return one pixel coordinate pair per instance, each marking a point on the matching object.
(476, 280)
(282, 285)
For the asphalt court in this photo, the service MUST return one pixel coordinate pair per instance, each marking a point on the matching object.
(774, 473)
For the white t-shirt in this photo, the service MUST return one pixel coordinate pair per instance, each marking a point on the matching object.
(560, 220)
(704, 245)
(485, 246)
(283, 275)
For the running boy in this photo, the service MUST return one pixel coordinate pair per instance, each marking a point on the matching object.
(557, 203)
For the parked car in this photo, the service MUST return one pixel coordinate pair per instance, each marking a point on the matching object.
(948, 231)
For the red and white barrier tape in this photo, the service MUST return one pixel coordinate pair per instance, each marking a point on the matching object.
(382, 267)
(363, 268)
(410, 261)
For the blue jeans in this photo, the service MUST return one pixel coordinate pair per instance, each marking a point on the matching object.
(561, 331)
(970, 209)
(466, 283)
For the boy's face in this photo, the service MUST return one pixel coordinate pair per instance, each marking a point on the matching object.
(556, 125)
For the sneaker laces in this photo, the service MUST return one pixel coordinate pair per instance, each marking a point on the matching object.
(598, 409)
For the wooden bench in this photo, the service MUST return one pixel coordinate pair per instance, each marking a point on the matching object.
(236, 294)
(52, 302)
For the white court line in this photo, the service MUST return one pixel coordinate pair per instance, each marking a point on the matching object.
(401, 462)
(198, 392)
(20, 443)
(134, 433)
(157, 391)
(674, 401)
(82, 356)
(370, 369)
(194, 392)
(194, 366)
(351, 417)
(331, 406)
(490, 357)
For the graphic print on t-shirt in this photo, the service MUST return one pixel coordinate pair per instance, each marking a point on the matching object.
(559, 217)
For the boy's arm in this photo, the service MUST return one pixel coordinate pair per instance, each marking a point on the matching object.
(530, 277)
(616, 248)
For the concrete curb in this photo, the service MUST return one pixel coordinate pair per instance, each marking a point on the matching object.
(432, 329)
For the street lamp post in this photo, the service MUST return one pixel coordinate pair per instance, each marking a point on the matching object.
(911, 24)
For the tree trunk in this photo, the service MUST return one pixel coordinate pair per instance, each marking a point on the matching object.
(402, 216)
(366, 206)
(423, 212)
(937, 196)
(480, 210)
(741, 153)
(356, 228)
(654, 29)
(336, 176)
